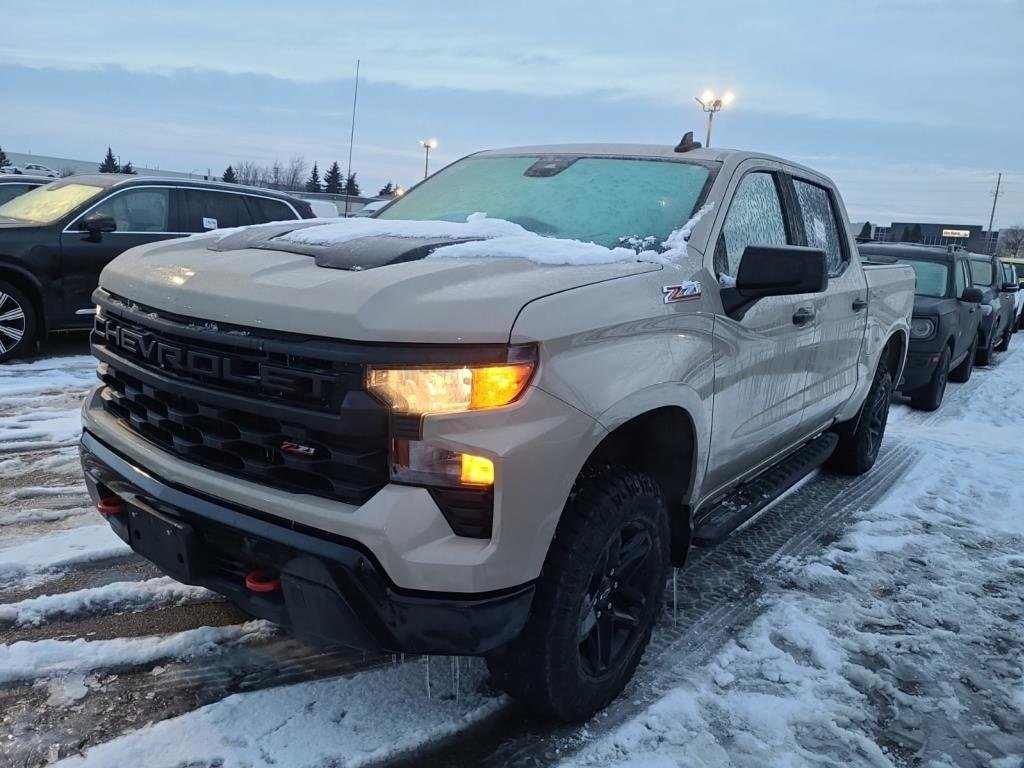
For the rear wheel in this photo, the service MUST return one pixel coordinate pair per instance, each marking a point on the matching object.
(962, 373)
(597, 599)
(17, 322)
(929, 397)
(861, 438)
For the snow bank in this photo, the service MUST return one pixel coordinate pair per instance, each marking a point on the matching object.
(32, 556)
(118, 596)
(349, 721)
(26, 660)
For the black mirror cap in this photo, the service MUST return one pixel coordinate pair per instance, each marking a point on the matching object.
(781, 270)
(97, 223)
(972, 295)
(1010, 287)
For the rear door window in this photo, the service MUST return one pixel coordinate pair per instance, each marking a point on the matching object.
(820, 227)
(266, 209)
(207, 209)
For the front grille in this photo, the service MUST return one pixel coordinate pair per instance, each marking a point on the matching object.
(330, 440)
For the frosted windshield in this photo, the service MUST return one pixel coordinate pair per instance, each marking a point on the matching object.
(607, 201)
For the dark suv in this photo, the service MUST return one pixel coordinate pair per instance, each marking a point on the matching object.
(55, 240)
(997, 323)
(944, 329)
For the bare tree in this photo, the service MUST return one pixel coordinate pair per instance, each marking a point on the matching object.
(295, 173)
(1011, 241)
(66, 171)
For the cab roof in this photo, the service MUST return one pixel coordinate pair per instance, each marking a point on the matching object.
(111, 180)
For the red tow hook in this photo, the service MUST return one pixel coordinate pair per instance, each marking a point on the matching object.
(110, 506)
(262, 580)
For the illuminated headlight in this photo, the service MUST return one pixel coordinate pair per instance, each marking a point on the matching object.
(449, 390)
(922, 328)
(418, 463)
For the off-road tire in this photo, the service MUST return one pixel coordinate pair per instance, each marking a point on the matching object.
(546, 667)
(984, 354)
(929, 397)
(1004, 341)
(962, 373)
(18, 325)
(861, 437)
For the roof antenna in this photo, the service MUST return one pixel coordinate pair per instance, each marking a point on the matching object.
(687, 143)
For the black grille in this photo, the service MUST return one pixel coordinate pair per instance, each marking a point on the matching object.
(284, 439)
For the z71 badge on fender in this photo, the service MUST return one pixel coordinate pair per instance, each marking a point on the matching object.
(682, 292)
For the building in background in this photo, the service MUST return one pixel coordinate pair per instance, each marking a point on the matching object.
(973, 237)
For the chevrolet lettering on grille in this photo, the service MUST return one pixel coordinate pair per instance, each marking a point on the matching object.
(225, 369)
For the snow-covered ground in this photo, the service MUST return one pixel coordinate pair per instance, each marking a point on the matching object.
(874, 621)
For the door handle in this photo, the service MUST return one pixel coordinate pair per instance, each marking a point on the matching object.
(803, 316)
(859, 304)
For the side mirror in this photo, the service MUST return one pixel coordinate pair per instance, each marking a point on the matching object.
(1011, 287)
(96, 224)
(775, 270)
(972, 295)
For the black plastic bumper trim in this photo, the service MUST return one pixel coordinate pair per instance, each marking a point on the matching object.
(333, 590)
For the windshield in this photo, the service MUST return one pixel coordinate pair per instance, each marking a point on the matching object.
(607, 201)
(44, 205)
(982, 272)
(932, 278)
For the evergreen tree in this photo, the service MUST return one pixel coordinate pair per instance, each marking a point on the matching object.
(127, 168)
(229, 176)
(3, 158)
(351, 185)
(388, 190)
(313, 182)
(332, 179)
(865, 231)
(109, 164)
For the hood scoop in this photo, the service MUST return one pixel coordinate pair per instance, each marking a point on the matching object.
(356, 254)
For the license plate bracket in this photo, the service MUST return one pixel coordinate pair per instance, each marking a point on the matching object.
(168, 543)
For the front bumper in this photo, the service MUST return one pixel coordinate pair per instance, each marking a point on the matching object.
(919, 369)
(331, 589)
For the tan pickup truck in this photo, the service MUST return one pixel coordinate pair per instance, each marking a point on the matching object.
(440, 431)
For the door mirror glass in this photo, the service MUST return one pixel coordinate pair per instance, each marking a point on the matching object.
(972, 295)
(96, 224)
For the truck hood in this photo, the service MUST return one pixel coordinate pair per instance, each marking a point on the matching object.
(373, 288)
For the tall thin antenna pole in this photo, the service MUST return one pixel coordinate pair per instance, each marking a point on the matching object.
(992, 216)
(351, 137)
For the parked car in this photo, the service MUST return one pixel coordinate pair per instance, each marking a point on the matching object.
(1011, 286)
(31, 169)
(13, 185)
(1018, 270)
(944, 328)
(55, 240)
(997, 306)
(371, 208)
(425, 439)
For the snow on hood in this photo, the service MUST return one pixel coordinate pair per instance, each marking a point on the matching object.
(485, 237)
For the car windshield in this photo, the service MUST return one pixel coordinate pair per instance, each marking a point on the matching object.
(607, 201)
(932, 277)
(982, 272)
(44, 205)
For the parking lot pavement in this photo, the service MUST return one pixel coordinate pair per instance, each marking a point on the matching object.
(860, 621)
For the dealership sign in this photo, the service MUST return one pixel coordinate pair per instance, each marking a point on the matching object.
(956, 233)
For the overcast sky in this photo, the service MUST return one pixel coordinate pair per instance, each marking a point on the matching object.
(911, 105)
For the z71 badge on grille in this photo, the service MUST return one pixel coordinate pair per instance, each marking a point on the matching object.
(682, 292)
(297, 449)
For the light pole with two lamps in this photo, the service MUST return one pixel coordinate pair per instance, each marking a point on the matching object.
(427, 144)
(711, 104)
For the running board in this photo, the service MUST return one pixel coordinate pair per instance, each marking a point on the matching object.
(714, 526)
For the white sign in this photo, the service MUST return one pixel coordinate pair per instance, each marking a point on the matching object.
(209, 223)
(956, 233)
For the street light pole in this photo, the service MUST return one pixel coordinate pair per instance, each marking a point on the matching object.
(710, 104)
(427, 144)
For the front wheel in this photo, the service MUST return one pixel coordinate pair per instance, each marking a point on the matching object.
(1004, 341)
(17, 322)
(962, 373)
(597, 599)
(860, 438)
(929, 397)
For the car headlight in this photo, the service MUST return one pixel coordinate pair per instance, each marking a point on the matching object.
(922, 328)
(449, 390)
